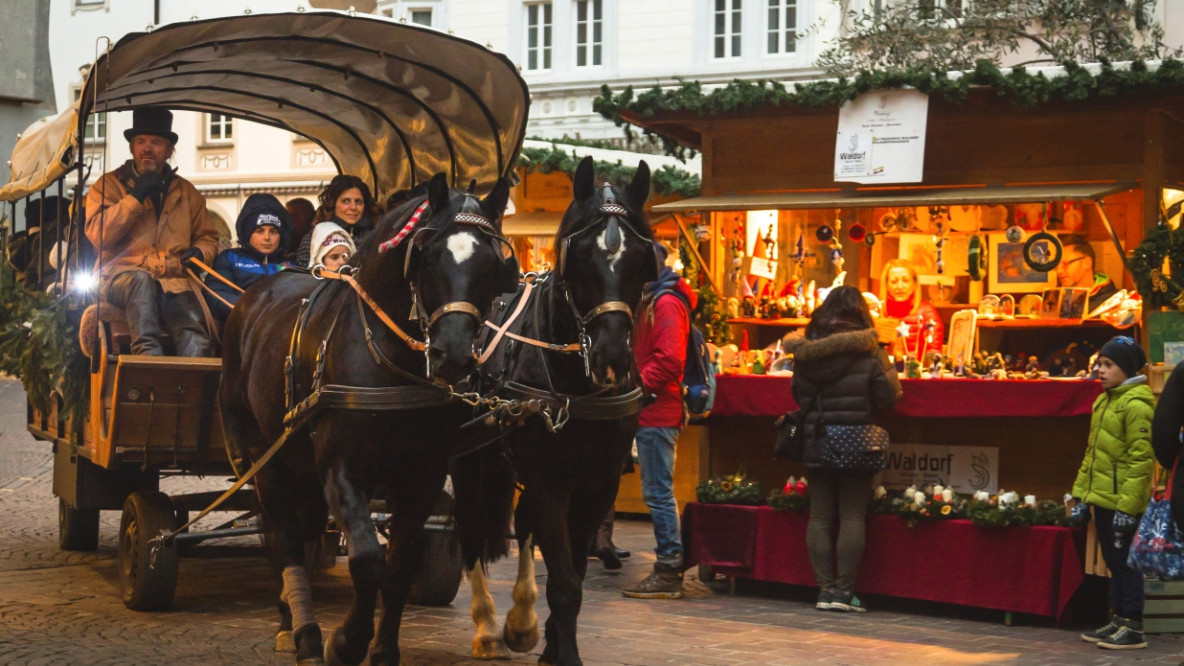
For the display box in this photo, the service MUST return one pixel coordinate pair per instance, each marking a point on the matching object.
(1163, 607)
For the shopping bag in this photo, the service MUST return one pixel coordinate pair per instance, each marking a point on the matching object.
(858, 448)
(1158, 546)
(791, 440)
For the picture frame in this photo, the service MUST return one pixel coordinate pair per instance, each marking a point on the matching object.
(1008, 273)
(1074, 302)
(963, 330)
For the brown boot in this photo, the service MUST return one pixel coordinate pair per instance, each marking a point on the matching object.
(664, 583)
(602, 547)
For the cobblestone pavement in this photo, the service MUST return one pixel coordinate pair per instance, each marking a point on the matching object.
(63, 608)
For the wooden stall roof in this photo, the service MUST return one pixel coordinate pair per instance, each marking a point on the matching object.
(880, 197)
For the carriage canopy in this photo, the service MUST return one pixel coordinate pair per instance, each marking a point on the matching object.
(391, 103)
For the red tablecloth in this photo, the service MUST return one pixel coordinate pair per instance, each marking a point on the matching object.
(1032, 570)
(769, 395)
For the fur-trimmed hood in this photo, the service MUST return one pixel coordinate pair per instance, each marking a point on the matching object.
(826, 359)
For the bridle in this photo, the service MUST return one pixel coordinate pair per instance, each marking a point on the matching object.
(617, 217)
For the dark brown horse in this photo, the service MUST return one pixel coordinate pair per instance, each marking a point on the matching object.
(384, 412)
(568, 347)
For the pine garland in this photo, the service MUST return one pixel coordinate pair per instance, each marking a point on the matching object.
(732, 489)
(1016, 86)
(667, 180)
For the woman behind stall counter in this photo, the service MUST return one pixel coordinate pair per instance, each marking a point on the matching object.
(901, 295)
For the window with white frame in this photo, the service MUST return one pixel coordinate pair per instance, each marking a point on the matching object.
(726, 29)
(421, 16)
(538, 36)
(589, 33)
(939, 9)
(96, 125)
(782, 30)
(219, 128)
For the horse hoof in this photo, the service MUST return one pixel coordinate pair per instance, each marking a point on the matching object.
(331, 658)
(490, 648)
(285, 642)
(522, 641)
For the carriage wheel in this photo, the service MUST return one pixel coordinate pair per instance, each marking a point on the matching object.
(147, 584)
(439, 579)
(78, 529)
(437, 582)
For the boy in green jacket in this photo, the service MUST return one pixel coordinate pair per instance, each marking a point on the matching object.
(1115, 479)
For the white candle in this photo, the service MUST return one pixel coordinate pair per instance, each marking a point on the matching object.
(919, 498)
(982, 496)
(1068, 498)
(947, 495)
(879, 493)
(938, 490)
(1030, 500)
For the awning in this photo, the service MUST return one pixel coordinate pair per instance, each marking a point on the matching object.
(44, 152)
(391, 103)
(881, 198)
(535, 223)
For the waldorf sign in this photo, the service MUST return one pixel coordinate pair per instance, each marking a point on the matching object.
(965, 469)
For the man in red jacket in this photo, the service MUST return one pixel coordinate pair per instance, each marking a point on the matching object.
(660, 346)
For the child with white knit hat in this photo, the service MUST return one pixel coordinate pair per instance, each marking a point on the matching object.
(331, 246)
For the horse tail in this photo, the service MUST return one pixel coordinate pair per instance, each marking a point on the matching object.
(483, 482)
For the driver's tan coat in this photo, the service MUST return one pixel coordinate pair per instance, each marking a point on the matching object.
(133, 239)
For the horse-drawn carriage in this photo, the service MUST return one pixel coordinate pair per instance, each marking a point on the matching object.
(391, 103)
(377, 380)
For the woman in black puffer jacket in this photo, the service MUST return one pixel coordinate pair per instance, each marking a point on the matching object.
(841, 376)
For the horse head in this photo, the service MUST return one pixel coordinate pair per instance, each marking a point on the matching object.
(604, 257)
(449, 262)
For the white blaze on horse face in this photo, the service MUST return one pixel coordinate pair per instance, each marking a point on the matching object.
(613, 257)
(462, 246)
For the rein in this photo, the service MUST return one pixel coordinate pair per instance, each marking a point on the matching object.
(322, 273)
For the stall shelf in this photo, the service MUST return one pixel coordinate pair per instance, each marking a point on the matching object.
(1033, 570)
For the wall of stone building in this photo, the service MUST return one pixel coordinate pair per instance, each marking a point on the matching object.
(26, 80)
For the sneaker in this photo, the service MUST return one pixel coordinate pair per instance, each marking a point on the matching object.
(1129, 636)
(663, 583)
(825, 596)
(846, 602)
(1102, 632)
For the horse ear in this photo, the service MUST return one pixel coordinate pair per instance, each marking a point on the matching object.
(584, 182)
(639, 188)
(438, 193)
(494, 203)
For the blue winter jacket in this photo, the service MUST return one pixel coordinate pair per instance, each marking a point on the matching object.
(245, 265)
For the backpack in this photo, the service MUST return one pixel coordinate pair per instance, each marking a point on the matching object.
(698, 376)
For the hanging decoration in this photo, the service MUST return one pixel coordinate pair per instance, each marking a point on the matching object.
(824, 233)
(1014, 234)
(836, 248)
(1157, 287)
(939, 239)
(857, 232)
(976, 258)
(1043, 250)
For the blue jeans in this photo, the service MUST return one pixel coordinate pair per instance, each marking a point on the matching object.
(1126, 584)
(655, 454)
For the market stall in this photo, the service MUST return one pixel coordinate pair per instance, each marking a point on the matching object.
(1005, 192)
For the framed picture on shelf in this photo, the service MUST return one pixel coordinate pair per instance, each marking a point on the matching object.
(1008, 273)
(963, 326)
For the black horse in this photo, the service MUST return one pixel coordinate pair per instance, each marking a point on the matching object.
(567, 347)
(368, 421)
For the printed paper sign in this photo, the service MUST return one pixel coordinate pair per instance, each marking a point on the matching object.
(881, 137)
(965, 469)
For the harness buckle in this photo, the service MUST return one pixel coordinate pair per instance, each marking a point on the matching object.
(585, 346)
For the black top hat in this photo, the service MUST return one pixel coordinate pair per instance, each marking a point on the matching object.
(152, 120)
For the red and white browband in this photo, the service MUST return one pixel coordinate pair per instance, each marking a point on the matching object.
(407, 229)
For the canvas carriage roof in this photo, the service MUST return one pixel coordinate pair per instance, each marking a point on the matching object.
(391, 103)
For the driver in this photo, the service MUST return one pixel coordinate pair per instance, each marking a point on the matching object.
(146, 221)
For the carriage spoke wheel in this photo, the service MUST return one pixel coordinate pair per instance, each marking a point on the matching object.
(438, 581)
(78, 529)
(146, 584)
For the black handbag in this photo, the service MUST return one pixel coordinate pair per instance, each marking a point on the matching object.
(857, 448)
(791, 439)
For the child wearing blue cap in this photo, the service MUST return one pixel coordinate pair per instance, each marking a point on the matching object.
(1115, 480)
